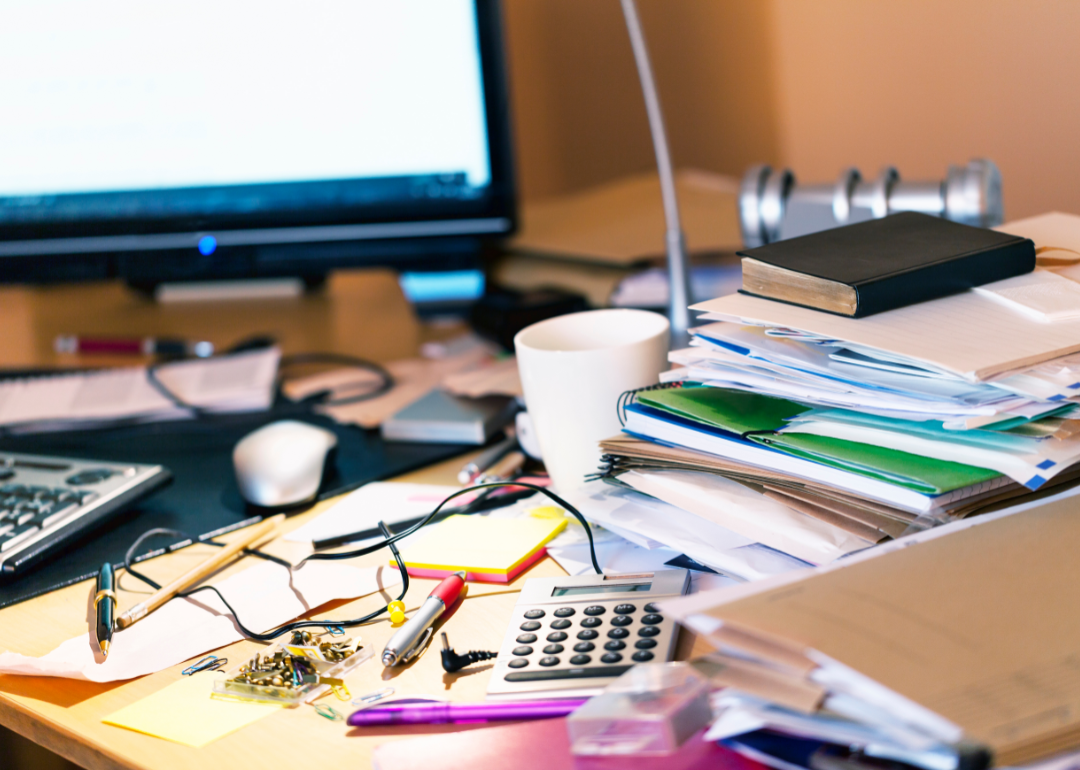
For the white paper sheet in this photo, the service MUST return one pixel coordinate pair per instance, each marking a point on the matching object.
(727, 503)
(965, 334)
(264, 596)
(234, 383)
(681, 531)
(386, 500)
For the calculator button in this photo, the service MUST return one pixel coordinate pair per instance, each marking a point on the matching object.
(591, 622)
(652, 607)
(648, 631)
(518, 663)
(553, 649)
(596, 609)
(641, 656)
(534, 614)
(557, 636)
(621, 620)
(645, 644)
(529, 625)
(652, 619)
(588, 633)
(560, 624)
(566, 673)
(609, 657)
(614, 645)
(584, 647)
(550, 660)
(564, 612)
(580, 660)
(625, 609)
(526, 639)
(619, 633)
(524, 650)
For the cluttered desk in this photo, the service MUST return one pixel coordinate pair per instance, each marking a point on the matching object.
(260, 506)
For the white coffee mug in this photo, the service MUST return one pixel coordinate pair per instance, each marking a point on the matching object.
(573, 368)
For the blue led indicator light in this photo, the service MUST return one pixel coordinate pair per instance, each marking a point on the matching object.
(207, 245)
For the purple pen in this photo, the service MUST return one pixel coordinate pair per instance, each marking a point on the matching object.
(460, 713)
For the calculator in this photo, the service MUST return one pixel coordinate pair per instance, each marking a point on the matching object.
(572, 636)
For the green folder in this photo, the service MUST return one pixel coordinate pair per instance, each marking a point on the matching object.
(757, 418)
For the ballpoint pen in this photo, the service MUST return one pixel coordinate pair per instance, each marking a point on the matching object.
(104, 604)
(504, 469)
(413, 637)
(441, 713)
(474, 468)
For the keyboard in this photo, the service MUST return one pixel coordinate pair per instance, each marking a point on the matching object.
(46, 502)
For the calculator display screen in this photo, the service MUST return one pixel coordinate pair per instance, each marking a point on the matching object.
(625, 588)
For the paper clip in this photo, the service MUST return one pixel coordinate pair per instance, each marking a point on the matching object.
(209, 663)
(341, 691)
(335, 630)
(373, 697)
(329, 712)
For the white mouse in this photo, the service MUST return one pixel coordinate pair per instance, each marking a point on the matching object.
(282, 463)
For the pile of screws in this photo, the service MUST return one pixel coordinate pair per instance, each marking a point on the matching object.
(285, 669)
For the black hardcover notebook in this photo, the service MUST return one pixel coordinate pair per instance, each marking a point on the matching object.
(870, 267)
(203, 497)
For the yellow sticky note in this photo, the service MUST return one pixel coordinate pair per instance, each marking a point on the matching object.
(548, 512)
(491, 550)
(185, 713)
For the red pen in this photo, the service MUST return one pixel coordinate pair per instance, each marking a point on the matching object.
(135, 346)
(414, 637)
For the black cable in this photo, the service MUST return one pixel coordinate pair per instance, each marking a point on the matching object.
(129, 557)
(389, 541)
(405, 533)
(386, 380)
(385, 383)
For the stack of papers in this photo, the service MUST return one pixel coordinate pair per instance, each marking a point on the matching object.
(969, 660)
(862, 430)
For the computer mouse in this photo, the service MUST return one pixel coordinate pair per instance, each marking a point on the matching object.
(282, 463)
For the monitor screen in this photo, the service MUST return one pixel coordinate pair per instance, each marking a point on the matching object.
(198, 125)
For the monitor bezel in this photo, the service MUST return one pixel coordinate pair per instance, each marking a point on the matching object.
(493, 214)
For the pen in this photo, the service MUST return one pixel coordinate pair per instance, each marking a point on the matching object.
(505, 469)
(413, 637)
(486, 459)
(135, 346)
(104, 603)
(252, 534)
(441, 713)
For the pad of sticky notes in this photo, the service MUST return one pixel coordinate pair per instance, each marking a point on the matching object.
(488, 550)
(185, 713)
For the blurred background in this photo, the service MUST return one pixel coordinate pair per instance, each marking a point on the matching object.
(814, 86)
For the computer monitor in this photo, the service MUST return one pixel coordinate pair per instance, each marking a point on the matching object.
(168, 141)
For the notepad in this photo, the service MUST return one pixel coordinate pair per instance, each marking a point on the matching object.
(487, 550)
(185, 713)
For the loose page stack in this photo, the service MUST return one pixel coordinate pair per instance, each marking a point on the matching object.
(875, 426)
(955, 647)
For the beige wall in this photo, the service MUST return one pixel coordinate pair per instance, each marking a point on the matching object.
(813, 84)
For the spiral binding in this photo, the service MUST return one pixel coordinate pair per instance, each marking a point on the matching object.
(627, 397)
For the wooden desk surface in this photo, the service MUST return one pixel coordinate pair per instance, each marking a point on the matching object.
(359, 313)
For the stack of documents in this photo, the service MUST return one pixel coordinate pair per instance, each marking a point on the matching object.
(864, 428)
(242, 382)
(953, 649)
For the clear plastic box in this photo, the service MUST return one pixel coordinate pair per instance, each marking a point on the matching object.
(650, 710)
(290, 696)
